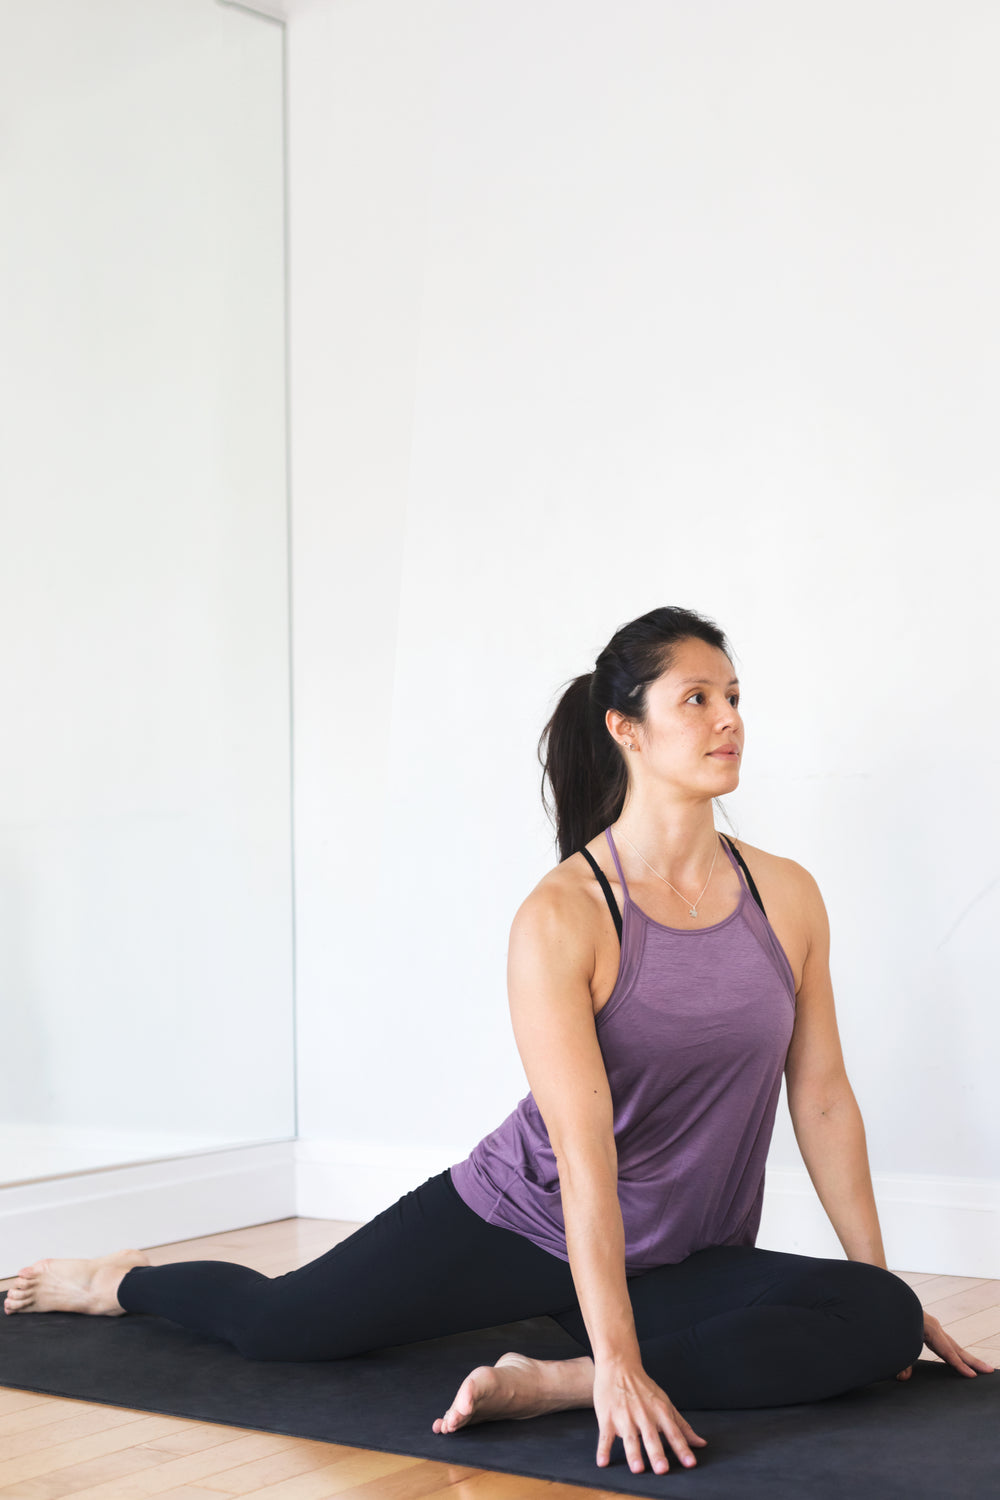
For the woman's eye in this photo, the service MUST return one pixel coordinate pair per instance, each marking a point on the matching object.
(734, 698)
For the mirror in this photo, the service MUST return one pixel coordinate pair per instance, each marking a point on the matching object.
(145, 842)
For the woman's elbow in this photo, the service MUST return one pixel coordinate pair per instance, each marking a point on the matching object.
(586, 1164)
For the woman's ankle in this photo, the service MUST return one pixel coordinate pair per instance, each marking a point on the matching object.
(575, 1379)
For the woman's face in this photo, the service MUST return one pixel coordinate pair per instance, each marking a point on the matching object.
(693, 735)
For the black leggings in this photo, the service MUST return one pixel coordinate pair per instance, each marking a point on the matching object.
(730, 1326)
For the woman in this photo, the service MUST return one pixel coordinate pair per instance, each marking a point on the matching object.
(661, 978)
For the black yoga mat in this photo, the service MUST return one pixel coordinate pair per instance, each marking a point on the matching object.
(936, 1434)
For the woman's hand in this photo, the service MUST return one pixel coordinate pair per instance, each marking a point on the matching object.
(942, 1343)
(631, 1406)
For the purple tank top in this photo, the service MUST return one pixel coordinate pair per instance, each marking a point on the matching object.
(694, 1037)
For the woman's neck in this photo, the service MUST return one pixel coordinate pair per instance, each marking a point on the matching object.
(675, 838)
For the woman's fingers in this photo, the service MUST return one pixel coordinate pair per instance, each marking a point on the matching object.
(630, 1442)
(952, 1352)
(631, 1406)
(965, 1363)
(653, 1444)
(633, 1452)
(681, 1434)
(654, 1447)
(690, 1433)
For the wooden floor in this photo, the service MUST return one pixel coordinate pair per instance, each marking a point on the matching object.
(75, 1450)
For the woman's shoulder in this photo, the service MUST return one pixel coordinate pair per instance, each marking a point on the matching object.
(553, 928)
(563, 899)
(776, 875)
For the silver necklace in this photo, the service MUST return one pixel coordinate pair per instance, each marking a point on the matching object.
(693, 908)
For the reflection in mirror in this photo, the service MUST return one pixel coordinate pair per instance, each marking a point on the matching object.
(145, 867)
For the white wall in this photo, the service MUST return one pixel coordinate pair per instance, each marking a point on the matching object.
(598, 306)
(145, 866)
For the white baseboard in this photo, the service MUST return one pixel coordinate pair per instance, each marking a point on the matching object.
(357, 1179)
(944, 1225)
(949, 1226)
(152, 1203)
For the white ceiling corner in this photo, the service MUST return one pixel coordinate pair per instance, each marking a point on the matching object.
(276, 9)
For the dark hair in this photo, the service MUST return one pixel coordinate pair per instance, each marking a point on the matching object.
(581, 760)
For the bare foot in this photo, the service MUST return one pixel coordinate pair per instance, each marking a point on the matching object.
(518, 1387)
(82, 1286)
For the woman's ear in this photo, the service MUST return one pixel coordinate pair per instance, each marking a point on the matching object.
(619, 727)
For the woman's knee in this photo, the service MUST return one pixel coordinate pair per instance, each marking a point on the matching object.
(904, 1316)
(881, 1317)
(889, 1312)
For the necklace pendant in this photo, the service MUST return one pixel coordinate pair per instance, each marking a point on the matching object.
(693, 912)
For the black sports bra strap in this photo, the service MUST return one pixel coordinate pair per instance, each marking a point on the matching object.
(612, 903)
(755, 893)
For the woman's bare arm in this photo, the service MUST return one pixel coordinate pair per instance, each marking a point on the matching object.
(550, 964)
